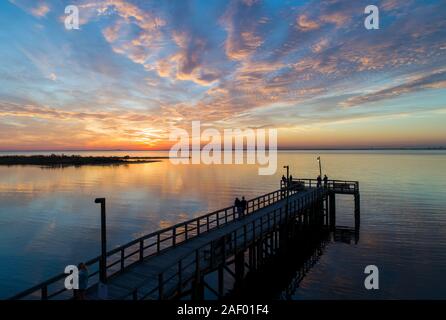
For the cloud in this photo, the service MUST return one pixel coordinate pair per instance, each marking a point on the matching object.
(436, 80)
(242, 37)
(240, 46)
(136, 44)
(45, 112)
(111, 33)
(82, 127)
(52, 77)
(305, 24)
(40, 11)
(339, 19)
(320, 45)
(187, 63)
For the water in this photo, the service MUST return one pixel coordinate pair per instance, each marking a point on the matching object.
(48, 218)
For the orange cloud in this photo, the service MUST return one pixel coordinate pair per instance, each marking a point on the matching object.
(338, 18)
(240, 46)
(186, 63)
(305, 24)
(320, 45)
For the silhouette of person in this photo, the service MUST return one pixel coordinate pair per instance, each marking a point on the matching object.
(237, 205)
(325, 181)
(284, 182)
(243, 205)
(319, 181)
(291, 179)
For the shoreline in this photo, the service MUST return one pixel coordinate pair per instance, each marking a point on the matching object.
(74, 160)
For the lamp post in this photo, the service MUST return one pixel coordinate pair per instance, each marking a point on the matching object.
(320, 166)
(287, 187)
(103, 261)
(287, 172)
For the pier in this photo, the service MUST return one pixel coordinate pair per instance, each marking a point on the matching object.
(175, 262)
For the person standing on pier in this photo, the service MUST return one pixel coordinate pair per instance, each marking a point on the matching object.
(243, 205)
(325, 181)
(319, 181)
(238, 207)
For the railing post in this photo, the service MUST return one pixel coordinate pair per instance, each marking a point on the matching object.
(103, 261)
(174, 237)
(158, 243)
(357, 212)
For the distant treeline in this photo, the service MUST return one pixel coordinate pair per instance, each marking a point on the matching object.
(72, 160)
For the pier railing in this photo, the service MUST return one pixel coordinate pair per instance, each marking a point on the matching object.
(151, 244)
(340, 186)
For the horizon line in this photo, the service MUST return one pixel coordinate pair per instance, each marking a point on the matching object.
(278, 149)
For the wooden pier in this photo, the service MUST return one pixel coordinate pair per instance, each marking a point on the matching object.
(173, 262)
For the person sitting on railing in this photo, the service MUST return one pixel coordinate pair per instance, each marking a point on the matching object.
(325, 181)
(83, 281)
(319, 181)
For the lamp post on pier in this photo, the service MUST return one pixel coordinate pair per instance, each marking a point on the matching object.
(103, 261)
(287, 172)
(102, 288)
(320, 166)
(287, 187)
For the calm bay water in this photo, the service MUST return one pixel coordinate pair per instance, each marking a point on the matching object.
(48, 218)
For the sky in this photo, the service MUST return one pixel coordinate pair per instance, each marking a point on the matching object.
(135, 70)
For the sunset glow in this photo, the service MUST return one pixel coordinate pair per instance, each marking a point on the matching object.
(136, 69)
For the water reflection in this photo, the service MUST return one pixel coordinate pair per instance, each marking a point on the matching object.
(48, 218)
